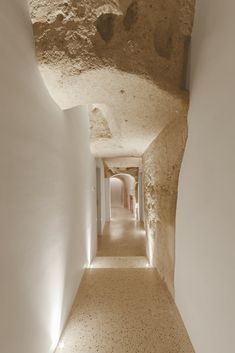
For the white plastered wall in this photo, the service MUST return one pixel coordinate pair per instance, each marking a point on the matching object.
(100, 165)
(107, 200)
(205, 233)
(47, 196)
(117, 188)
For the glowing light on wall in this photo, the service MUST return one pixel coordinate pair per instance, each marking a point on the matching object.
(56, 286)
(61, 345)
(88, 246)
(90, 235)
(150, 245)
(55, 326)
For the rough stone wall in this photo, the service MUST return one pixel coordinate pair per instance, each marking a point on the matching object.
(133, 171)
(161, 166)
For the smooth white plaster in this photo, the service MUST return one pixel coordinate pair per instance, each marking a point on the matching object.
(205, 234)
(47, 196)
(101, 201)
(129, 183)
(117, 189)
(128, 192)
(107, 199)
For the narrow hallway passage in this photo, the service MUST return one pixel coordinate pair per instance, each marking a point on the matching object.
(139, 96)
(122, 305)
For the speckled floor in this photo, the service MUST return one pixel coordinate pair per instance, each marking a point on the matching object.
(123, 306)
(120, 262)
(123, 236)
(124, 311)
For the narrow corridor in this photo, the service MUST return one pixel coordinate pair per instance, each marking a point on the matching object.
(122, 306)
(114, 112)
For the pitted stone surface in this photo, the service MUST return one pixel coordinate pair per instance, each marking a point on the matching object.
(123, 165)
(99, 126)
(141, 37)
(133, 162)
(136, 110)
(161, 166)
(127, 55)
(133, 171)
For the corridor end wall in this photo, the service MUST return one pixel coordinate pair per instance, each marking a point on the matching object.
(47, 196)
(205, 232)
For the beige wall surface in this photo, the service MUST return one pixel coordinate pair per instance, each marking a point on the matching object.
(47, 197)
(100, 165)
(205, 236)
(107, 199)
(129, 191)
(117, 189)
(161, 166)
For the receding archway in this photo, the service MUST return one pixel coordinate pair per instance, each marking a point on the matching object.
(117, 192)
(127, 193)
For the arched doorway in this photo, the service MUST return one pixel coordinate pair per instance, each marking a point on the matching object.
(117, 192)
(123, 195)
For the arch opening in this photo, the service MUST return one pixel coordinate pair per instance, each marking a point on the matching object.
(123, 195)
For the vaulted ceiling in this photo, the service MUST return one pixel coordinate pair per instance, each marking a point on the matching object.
(125, 59)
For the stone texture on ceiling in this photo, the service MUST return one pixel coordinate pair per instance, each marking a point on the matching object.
(118, 166)
(124, 162)
(129, 111)
(123, 165)
(144, 37)
(99, 126)
(128, 56)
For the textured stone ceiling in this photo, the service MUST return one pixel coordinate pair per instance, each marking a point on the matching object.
(125, 59)
(134, 162)
(122, 165)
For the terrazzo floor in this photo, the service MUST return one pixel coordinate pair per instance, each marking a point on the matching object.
(120, 262)
(123, 236)
(122, 306)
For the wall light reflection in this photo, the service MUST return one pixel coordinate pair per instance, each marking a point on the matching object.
(150, 245)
